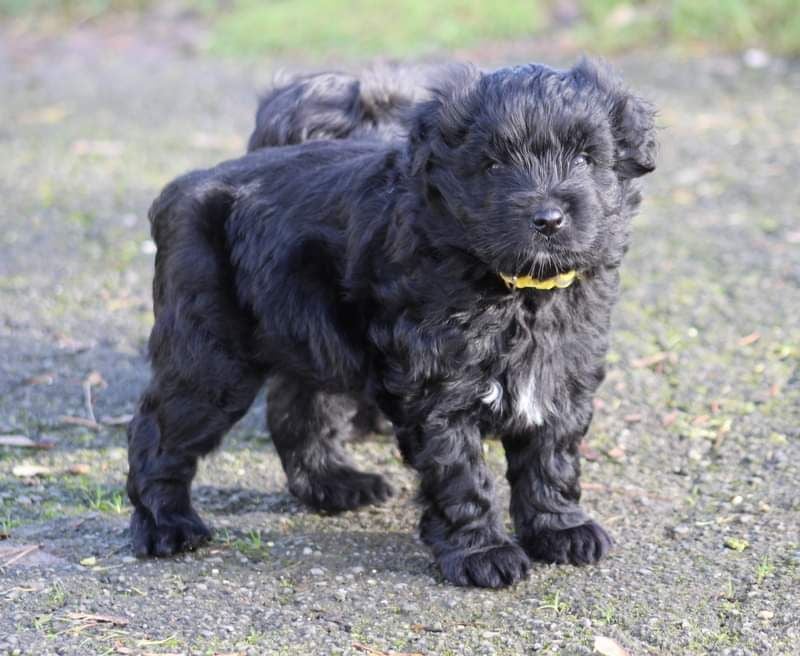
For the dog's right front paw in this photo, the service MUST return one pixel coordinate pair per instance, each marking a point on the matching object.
(172, 534)
(579, 545)
(494, 566)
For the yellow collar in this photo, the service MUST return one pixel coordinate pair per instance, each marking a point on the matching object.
(561, 281)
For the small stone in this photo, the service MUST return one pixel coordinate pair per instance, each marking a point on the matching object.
(23, 500)
(681, 530)
(766, 614)
(756, 58)
(357, 570)
(316, 571)
(340, 594)
(307, 551)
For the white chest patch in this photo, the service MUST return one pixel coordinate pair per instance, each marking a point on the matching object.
(493, 397)
(525, 405)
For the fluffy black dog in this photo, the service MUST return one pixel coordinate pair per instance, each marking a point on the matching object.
(376, 105)
(462, 279)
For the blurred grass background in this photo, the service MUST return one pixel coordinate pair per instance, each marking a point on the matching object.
(413, 27)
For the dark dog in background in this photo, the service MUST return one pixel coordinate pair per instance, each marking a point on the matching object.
(377, 104)
(461, 279)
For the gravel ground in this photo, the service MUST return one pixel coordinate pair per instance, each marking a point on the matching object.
(693, 460)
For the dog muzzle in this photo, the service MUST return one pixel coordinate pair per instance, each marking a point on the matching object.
(560, 281)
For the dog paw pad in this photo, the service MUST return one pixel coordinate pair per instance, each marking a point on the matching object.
(580, 545)
(496, 566)
(172, 534)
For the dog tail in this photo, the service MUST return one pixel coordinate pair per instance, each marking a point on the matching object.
(335, 105)
(187, 224)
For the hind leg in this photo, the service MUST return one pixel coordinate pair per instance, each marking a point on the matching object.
(308, 427)
(180, 419)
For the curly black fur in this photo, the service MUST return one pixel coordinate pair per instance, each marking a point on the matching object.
(357, 269)
(376, 105)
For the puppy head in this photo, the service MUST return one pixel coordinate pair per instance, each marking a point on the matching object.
(531, 169)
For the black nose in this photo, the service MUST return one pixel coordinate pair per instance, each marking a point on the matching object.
(548, 220)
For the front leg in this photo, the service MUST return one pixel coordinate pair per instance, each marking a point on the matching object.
(544, 474)
(461, 522)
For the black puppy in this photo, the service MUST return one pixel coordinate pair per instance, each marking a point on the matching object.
(462, 279)
(375, 105)
(378, 104)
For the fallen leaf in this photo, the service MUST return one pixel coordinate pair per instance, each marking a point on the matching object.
(29, 471)
(668, 419)
(119, 420)
(617, 453)
(752, 338)
(651, 360)
(737, 544)
(101, 619)
(26, 442)
(95, 378)
(608, 646)
(40, 379)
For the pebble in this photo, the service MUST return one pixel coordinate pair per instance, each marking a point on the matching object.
(307, 551)
(766, 614)
(316, 571)
(755, 58)
(340, 594)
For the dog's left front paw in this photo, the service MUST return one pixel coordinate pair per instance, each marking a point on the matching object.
(580, 545)
(495, 566)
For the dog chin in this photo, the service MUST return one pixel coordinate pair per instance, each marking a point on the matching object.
(543, 264)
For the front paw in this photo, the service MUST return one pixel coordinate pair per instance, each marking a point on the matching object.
(493, 566)
(580, 545)
(172, 534)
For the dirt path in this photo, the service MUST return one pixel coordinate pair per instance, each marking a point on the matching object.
(693, 456)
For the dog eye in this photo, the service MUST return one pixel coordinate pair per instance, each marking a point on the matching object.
(493, 167)
(581, 160)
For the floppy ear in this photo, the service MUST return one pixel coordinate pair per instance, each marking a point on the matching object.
(633, 123)
(632, 119)
(441, 122)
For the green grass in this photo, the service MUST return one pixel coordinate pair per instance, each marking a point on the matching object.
(103, 500)
(314, 29)
(613, 25)
(362, 27)
(79, 9)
